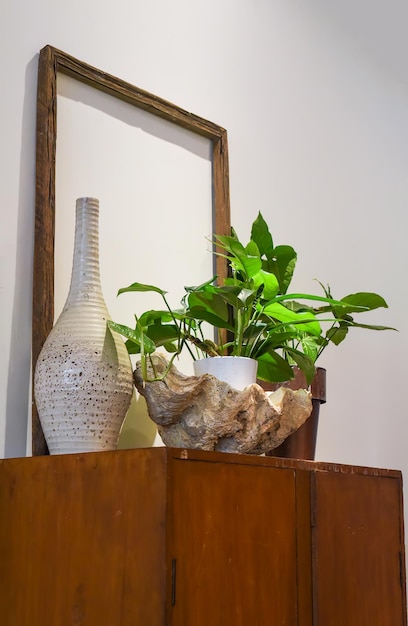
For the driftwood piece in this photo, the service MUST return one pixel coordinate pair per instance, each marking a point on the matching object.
(203, 412)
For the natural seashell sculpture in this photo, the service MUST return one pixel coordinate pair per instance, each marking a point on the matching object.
(203, 412)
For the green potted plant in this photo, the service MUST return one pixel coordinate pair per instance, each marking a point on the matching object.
(251, 313)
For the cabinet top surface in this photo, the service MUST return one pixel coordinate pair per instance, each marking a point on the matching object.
(183, 454)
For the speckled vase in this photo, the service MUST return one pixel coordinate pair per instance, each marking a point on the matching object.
(83, 380)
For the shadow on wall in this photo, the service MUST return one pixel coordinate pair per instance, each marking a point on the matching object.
(19, 371)
(132, 115)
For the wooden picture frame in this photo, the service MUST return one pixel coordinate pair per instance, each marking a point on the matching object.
(52, 62)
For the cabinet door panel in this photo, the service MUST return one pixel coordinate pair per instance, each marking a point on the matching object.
(234, 541)
(82, 541)
(358, 550)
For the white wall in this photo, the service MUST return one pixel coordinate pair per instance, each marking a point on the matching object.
(318, 137)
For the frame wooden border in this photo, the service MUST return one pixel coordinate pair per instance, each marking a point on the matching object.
(51, 62)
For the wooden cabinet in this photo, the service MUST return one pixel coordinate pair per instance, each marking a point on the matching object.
(165, 537)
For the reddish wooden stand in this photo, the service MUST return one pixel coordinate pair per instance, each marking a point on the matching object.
(158, 537)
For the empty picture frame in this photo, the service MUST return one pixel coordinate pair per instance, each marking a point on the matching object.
(54, 63)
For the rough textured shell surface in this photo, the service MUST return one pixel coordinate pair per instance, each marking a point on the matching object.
(203, 412)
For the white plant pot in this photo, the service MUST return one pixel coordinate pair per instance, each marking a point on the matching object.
(237, 371)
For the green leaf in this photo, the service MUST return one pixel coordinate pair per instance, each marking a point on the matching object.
(135, 336)
(306, 320)
(304, 362)
(364, 299)
(262, 237)
(248, 263)
(147, 345)
(211, 301)
(132, 347)
(161, 334)
(269, 282)
(202, 286)
(204, 315)
(251, 264)
(154, 316)
(170, 347)
(353, 303)
(282, 264)
(372, 326)
(312, 345)
(230, 295)
(337, 334)
(123, 330)
(246, 297)
(252, 250)
(273, 368)
(206, 346)
(277, 337)
(141, 287)
(231, 245)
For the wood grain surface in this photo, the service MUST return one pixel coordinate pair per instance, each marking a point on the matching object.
(167, 537)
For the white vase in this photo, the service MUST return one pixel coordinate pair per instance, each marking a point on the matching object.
(237, 371)
(83, 380)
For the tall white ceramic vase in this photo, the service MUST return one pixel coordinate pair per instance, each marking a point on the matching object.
(83, 380)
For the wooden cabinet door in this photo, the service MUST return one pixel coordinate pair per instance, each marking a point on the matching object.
(233, 544)
(358, 549)
(82, 540)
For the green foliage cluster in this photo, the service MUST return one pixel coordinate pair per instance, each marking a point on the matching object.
(252, 313)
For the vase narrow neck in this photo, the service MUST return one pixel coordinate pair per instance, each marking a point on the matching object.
(85, 278)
